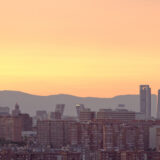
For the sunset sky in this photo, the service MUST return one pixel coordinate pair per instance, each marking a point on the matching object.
(99, 48)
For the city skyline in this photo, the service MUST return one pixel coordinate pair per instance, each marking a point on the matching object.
(84, 48)
(145, 102)
(79, 80)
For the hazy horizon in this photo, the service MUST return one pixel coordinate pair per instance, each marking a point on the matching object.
(30, 103)
(52, 94)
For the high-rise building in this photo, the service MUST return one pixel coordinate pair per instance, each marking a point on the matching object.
(123, 137)
(145, 101)
(16, 110)
(158, 139)
(60, 108)
(119, 114)
(26, 121)
(10, 128)
(79, 108)
(158, 105)
(55, 133)
(55, 115)
(154, 137)
(87, 115)
(75, 133)
(41, 115)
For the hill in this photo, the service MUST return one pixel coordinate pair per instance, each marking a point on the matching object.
(30, 103)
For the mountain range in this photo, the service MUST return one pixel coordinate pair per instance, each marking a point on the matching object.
(30, 103)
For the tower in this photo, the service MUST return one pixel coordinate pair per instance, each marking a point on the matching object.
(16, 110)
(79, 108)
(60, 108)
(145, 101)
(158, 105)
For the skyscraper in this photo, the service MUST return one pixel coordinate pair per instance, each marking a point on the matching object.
(145, 100)
(60, 108)
(158, 105)
(79, 108)
(16, 110)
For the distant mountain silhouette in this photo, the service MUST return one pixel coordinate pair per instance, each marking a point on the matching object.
(30, 103)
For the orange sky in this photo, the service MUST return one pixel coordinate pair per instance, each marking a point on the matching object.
(97, 48)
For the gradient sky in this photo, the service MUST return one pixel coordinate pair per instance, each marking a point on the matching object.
(99, 48)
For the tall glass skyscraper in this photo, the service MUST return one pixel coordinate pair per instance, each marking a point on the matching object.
(145, 101)
(158, 105)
